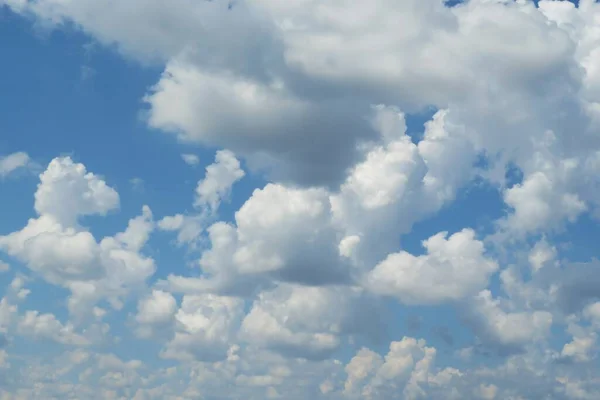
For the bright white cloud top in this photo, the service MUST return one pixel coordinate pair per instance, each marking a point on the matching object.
(290, 270)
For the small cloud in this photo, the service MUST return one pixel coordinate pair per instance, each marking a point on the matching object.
(13, 162)
(4, 267)
(137, 184)
(23, 293)
(465, 353)
(190, 159)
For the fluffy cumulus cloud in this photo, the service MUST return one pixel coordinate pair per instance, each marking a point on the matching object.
(219, 179)
(205, 327)
(211, 191)
(54, 245)
(452, 269)
(309, 322)
(300, 287)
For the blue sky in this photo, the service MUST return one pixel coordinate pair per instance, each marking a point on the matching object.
(346, 200)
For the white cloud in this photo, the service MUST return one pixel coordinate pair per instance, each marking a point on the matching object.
(301, 77)
(348, 245)
(48, 327)
(67, 191)
(537, 202)
(7, 314)
(190, 159)
(13, 162)
(313, 93)
(205, 326)
(155, 313)
(210, 192)
(308, 322)
(541, 255)
(46, 247)
(452, 269)
(592, 312)
(583, 347)
(400, 182)
(65, 254)
(17, 288)
(219, 178)
(188, 227)
(579, 348)
(507, 330)
(158, 307)
(290, 233)
(114, 363)
(4, 267)
(280, 233)
(487, 392)
(405, 368)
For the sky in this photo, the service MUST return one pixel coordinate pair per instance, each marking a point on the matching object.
(299, 199)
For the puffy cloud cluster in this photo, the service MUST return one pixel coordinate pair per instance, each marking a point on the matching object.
(310, 322)
(55, 247)
(295, 295)
(452, 269)
(406, 366)
(47, 326)
(205, 327)
(211, 191)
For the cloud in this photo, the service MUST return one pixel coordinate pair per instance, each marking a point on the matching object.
(552, 193)
(67, 191)
(309, 322)
(137, 184)
(48, 327)
(280, 233)
(206, 324)
(219, 178)
(63, 253)
(190, 159)
(210, 192)
(319, 236)
(508, 331)
(405, 368)
(155, 313)
(541, 255)
(157, 308)
(4, 267)
(7, 314)
(13, 162)
(188, 227)
(453, 268)
(253, 119)
(399, 182)
(314, 97)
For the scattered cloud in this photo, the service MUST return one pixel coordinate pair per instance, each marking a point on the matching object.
(13, 162)
(311, 286)
(191, 159)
